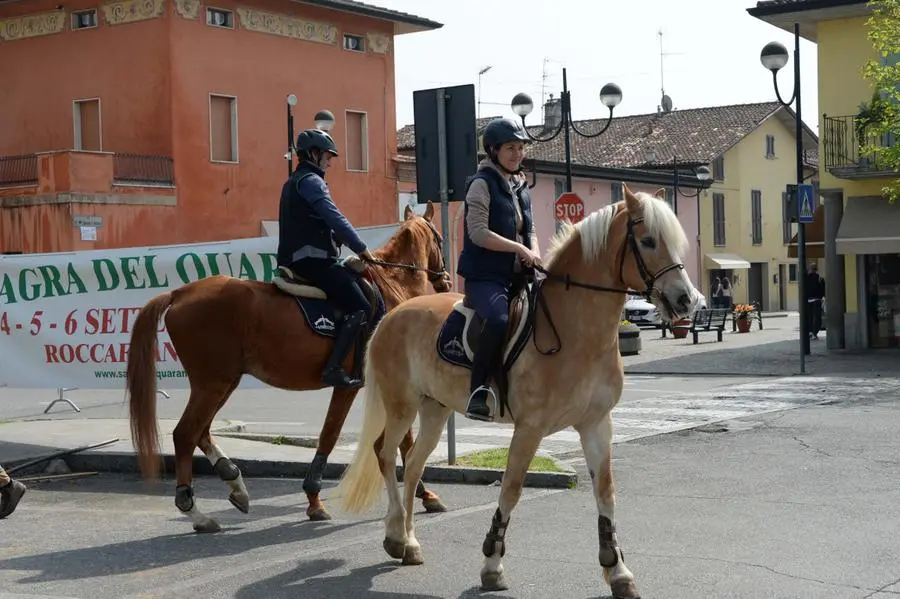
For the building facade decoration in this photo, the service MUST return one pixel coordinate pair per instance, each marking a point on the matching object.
(189, 9)
(287, 26)
(26, 26)
(131, 11)
(378, 42)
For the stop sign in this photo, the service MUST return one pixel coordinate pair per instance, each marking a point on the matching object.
(569, 206)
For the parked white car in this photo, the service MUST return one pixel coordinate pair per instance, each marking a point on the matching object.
(641, 312)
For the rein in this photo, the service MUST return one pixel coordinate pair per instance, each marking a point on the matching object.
(433, 275)
(650, 292)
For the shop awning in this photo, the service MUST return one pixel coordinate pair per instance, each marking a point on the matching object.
(815, 237)
(870, 225)
(726, 262)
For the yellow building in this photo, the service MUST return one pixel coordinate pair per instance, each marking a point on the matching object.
(861, 229)
(744, 233)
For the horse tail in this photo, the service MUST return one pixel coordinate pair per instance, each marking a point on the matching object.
(141, 384)
(362, 481)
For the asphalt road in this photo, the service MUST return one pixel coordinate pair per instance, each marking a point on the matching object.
(794, 504)
(301, 413)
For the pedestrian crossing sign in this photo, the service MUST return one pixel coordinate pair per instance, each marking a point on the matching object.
(805, 203)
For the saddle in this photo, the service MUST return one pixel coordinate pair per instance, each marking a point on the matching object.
(321, 314)
(459, 337)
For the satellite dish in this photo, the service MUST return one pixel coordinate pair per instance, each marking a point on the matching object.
(666, 103)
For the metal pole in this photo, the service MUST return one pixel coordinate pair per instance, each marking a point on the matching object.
(290, 132)
(566, 114)
(445, 231)
(675, 183)
(801, 228)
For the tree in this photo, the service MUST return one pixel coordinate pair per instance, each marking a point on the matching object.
(878, 121)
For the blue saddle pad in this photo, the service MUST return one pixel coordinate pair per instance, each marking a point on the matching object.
(450, 341)
(322, 316)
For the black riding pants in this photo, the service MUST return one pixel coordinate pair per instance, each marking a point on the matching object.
(335, 280)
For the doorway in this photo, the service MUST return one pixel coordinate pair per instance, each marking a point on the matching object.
(755, 285)
(782, 290)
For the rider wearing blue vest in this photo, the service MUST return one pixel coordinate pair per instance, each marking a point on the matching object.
(499, 239)
(311, 231)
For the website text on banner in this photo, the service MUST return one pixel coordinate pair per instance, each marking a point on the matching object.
(65, 319)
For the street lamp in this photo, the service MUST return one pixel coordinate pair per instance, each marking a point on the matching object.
(324, 120)
(773, 57)
(703, 175)
(289, 155)
(610, 96)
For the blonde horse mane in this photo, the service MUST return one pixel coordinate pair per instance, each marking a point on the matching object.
(659, 220)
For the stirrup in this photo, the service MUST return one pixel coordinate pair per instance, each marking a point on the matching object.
(476, 415)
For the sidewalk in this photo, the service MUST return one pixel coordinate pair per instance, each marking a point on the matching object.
(773, 351)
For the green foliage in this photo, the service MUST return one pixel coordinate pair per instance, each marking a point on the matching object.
(879, 119)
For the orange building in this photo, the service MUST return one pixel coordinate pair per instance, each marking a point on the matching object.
(154, 122)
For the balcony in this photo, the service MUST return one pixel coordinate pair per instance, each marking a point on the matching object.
(843, 142)
(88, 172)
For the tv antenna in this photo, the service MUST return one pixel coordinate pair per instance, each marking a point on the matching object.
(665, 101)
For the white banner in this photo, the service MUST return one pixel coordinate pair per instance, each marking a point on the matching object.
(66, 318)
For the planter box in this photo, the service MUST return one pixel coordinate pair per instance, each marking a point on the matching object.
(629, 339)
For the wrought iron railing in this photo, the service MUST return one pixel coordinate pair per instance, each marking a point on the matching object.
(844, 144)
(18, 170)
(139, 169)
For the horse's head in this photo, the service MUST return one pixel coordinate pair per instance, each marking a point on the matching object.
(429, 243)
(653, 249)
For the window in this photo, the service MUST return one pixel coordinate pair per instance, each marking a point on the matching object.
(756, 216)
(718, 168)
(770, 146)
(354, 43)
(223, 131)
(786, 232)
(792, 273)
(86, 121)
(718, 219)
(216, 17)
(84, 19)
(616, 193)
(357, 141)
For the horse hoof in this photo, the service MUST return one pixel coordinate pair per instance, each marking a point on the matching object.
(493, 581)
(433, 505)
(413, 556)
(240, 500)
(396, 549)
(318, 514)
(624, 589)
(208, 525)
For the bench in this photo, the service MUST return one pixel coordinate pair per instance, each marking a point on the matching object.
(709, 320)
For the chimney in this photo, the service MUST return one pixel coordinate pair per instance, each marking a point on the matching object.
(552, 113)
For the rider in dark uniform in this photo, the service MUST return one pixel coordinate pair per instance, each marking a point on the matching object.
(311, 231)
(499, 239)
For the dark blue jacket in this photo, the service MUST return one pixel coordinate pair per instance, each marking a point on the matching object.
(477, 263)
(309, 223)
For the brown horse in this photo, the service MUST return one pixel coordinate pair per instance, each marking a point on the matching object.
(223, 327)
(576, 381)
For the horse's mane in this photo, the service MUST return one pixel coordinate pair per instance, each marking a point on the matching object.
(659, 220)
(411, 233)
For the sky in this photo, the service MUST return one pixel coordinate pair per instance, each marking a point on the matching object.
(710, 54)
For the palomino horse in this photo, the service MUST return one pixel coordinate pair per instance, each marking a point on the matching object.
(636, 244)
(223, 328)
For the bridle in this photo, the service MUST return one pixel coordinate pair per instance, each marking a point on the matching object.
(433, 275)
(651, 292)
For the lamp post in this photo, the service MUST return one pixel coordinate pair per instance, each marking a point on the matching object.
(773, 57)
(324, 120)
(703, 175)
(289, 155)
(610, 96)
(480, 73)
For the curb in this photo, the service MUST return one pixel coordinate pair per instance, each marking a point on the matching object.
(127, 463)
(715, 374)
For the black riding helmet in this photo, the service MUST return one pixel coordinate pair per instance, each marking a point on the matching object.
(499, 132)
(315, 139)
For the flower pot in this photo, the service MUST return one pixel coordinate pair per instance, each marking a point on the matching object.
(678, 330)
(743, 325)
(629, 339)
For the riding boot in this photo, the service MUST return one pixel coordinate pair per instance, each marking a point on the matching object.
(487, 359)
(10, 494)
(334, 374)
